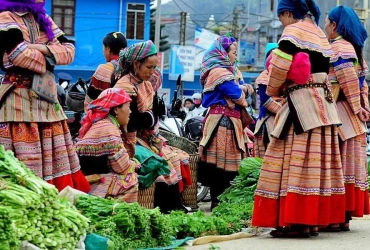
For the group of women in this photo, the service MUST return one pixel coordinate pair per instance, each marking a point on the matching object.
(311, 130)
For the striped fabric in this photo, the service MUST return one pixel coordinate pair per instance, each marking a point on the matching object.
(264, 125)
(345, 76)
(288, 193)
(47, 149)
(314, 112)
(301, 180)
(20, 105)
(365, 96)
(34, 60)
(222, 150)
(104, 138)
(103, 74)
(216, 77)
(278, 71)
(345, 81)
(307, 35)
(211, 125)
(100, 81)
(354, 161)
(142, 91)
(216, 57)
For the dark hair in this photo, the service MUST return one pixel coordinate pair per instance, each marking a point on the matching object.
(189, 100)
(115, 41)
(358, 50)
(128, 68)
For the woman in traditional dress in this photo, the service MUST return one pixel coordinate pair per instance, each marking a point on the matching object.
(102, 150)
(33, 127)
(347, 74)
(301, 182)
(137, 74)
(222, 146)
(267, 110)
(113, 42)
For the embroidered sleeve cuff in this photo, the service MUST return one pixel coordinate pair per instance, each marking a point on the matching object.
(17, 51)
(62, 53)
(283, 54)
(272, 106)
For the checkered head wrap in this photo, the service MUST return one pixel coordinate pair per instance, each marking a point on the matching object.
(100, 107)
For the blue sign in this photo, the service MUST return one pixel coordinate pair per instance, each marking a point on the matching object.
(247, 52)
(182, 62)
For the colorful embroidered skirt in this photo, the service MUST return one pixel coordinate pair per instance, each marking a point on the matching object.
(108, 187)
(301, 181)
(221, 157)
(354, 161)
(258, 146)
(47, 149)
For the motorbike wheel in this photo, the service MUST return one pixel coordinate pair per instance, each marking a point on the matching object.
(202, 192)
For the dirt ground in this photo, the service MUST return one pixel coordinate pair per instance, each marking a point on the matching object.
(357, 238)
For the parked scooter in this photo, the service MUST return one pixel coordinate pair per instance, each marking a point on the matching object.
(73, 104)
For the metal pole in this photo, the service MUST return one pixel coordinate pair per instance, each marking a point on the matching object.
(157, 34)
(245, 27)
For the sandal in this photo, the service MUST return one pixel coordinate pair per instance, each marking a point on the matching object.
(333, 228)
(314, 231)
(345, 227)
(289, 233)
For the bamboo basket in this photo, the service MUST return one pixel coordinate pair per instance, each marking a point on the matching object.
(189, 194)
(145, 197)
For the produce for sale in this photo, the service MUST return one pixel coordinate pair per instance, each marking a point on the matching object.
(232, 214)
(127, 225)
(31, 211)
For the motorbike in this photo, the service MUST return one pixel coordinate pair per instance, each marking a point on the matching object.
(71, 98)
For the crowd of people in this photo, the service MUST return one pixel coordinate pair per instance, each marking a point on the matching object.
(310, 130)
(314, 172)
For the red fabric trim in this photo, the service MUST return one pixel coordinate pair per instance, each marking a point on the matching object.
(298, 209)
(181, 186)
(76, 181)
(186, 175)
(357, 201)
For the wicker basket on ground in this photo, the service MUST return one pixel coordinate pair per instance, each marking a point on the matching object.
(189, 194)
(145, 197)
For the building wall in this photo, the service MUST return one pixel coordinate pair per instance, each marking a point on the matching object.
(93, 20)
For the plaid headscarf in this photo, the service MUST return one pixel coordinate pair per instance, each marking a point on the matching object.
(100, 107)
(217, 57)
(135, 52)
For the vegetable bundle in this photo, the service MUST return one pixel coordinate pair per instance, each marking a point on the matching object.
(232, 214)
(31, 211)
(127, 225)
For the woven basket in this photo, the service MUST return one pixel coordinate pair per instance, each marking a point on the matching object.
(145, 197)
(189, 194)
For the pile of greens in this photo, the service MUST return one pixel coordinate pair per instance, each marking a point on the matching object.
(232, 214)
(127, 225)
(31, 211)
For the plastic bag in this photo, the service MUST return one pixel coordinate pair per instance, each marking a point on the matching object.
(219, 238)
(70, 194)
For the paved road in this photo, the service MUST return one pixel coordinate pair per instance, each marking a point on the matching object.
(356, 239)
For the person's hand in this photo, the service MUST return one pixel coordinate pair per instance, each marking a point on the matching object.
(363, 115)
(40, 47)
(277, 99)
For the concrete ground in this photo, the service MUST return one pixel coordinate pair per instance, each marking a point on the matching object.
(356, 239)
